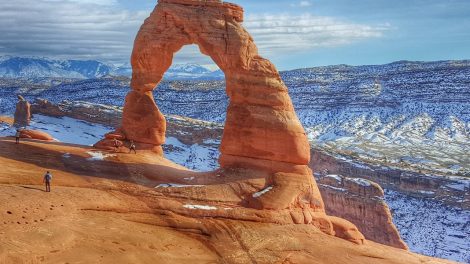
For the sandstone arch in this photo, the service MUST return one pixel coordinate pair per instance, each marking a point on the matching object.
(262, 131)
(261, 121)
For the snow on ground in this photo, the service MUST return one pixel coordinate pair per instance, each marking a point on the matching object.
(262, 192)
(335, 177)
(430, 227)
(65, 129)
(417, 142)
(195, 157)
(98, 156)
(175, 185)
(360, 181)
(333, 187)
(200, 207)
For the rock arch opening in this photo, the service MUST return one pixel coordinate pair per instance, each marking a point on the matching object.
(192, 97)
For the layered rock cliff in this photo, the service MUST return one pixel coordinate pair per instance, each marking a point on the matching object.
(451, 190)
(361, 202)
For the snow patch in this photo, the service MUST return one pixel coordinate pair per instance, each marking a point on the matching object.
(262, 192)
(426, 192)
(195, 157)
(175, 185)
(430, 227)
(65, 129)
(362, 182)
(200, 207)
(336, 177)
(334, 188)
(98, 156)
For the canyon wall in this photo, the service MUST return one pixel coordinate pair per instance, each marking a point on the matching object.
(454, 191)
(361, 202)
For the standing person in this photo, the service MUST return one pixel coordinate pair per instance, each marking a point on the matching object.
(17, 136)
(132, 147)
(116, 145)
(47, 180)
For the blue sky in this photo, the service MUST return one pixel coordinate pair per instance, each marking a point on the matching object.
(293, 34)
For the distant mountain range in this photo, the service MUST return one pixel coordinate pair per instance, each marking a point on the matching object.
(34, 67)
(404, 114)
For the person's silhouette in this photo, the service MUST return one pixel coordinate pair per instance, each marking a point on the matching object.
(47, 180)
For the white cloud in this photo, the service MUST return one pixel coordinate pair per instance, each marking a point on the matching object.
(98, 29)
(290, 33)
(81, 29)
(301, 4)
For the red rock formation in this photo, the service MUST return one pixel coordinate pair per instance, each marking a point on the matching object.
(262, 136)
(261, 121)
(22, 113)
(105, 210)
(344, 197)
(93, 113)
(361, 202)
(43, 106)
(35, 134)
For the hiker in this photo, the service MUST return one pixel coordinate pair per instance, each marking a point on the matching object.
(17, 136)
(47, 181)
(132, 147)
(116, 145)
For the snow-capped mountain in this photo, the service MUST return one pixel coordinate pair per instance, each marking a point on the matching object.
(192, 72)
(179, 72)
(34, 67)
(17, 67)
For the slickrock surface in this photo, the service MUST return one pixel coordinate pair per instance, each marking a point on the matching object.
(104, 208)
(361, 202)
(364, 206)
(22, 113)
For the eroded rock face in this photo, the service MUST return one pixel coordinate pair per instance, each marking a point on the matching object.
(22, 113)
(361, 202)
(264, 147)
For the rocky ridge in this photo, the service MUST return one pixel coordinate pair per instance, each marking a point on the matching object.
(362, 202)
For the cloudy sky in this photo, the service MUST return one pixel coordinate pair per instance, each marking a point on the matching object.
(292, 33)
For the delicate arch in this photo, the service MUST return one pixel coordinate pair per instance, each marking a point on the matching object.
(261, 125)
(262, 132)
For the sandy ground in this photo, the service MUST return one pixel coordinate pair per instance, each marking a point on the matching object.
(104, 211)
